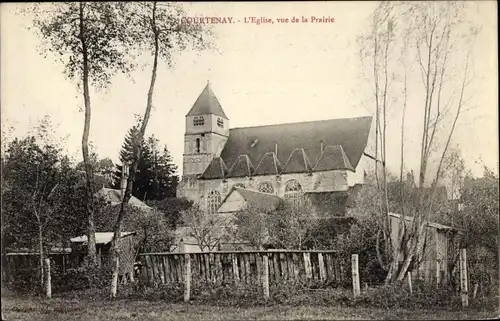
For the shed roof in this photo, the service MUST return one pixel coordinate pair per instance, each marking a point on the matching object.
(431, 224)
(100, 237)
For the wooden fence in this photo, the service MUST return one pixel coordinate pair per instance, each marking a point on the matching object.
(248, 267)
(12, 263)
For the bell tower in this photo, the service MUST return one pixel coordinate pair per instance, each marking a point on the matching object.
(207, 130)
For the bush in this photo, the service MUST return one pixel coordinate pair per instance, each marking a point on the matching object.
(86, 276)
(26, 281)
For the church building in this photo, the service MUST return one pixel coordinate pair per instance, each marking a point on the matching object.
(284, 160)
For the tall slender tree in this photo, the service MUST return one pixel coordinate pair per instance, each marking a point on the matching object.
(159, 29)
(90, 41)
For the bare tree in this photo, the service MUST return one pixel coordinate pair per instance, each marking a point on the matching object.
(209, 230)
(158, 28)
(427, 35)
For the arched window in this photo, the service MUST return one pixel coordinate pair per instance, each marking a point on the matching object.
(213, 200)
(266, 187)
(239, 185)
(293, 193)
(197, 145)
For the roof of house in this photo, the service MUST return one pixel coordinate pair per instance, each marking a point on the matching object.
(100, 237)
(307, 137)
(255, 199)
(114, 197)
(431, 224)
(207, 103)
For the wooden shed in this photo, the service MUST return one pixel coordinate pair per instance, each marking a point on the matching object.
(440, 250)
(127, 249)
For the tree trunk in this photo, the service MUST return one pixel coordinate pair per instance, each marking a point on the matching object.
(92, 254)
(137, 150)
(40, 251)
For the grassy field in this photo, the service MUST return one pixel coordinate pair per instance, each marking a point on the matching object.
(58, 309)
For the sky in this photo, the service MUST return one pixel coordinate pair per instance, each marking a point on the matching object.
(262, 74)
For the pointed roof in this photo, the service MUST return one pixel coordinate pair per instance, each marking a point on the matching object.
(254, 199)
(269, 164)
(216, 170)
(333, 158)
(206, 104)
(297, 162)
(242, 167)
(114, 197)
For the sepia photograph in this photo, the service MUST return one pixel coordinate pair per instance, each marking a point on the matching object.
(314, 160)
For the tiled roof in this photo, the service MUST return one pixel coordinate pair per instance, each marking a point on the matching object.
(242, 167)
(216, 170)
(350, 133)
(207, 103)
(298, 162)
(257, 200)
(333, 157)
(269, 164)
(114, 197)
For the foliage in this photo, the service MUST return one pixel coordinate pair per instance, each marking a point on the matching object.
(152, 228)
(479, 221)
(288, 226)
(85, 276)
(104, 166)
(106, 44)
(156, 177)
(209, 230)
(172, 208)
(40, 195)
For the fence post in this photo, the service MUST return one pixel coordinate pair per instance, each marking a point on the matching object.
(322, 272)
(355, 275)
(307, 265)
(187, 277)
(463, 278)
(265, 276)
(114, 280)
(409, 282)
(475, 291)
(48, 285)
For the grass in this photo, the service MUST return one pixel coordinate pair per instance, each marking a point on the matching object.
(58, 309)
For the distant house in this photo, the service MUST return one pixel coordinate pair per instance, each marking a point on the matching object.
(115, 196)
(327, 206)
